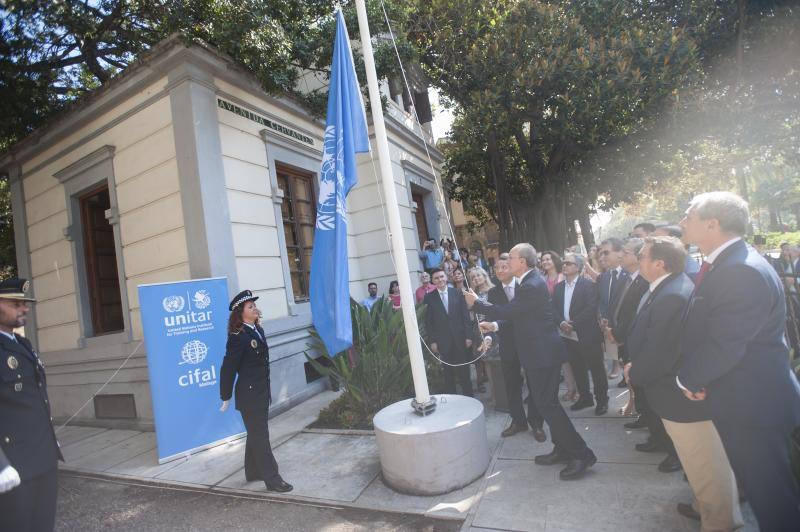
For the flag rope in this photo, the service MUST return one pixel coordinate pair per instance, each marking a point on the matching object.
(89, 400)
(439, 189)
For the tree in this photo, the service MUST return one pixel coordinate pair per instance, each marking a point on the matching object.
(539, 86)
(53, 53)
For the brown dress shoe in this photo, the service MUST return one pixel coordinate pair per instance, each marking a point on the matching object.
(539, 434)
(513, 429)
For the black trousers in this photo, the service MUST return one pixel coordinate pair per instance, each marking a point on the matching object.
(759, 457)
(259, 462)
(457, 355)
(544, 383)
(585, 358)
(653, 421)
(512, 375)
(31, 506)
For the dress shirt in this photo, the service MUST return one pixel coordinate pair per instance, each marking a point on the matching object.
(256, 331)
(569, 288)
(369, 301)
(509, 289)
(524, 275)
(443, 295)
(10, 335)
(657, 282)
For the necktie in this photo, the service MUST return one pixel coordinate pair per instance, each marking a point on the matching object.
(509, 290)
(444, 301)
(645, 299)
(698, 278)
(628, 283)
(611, 283)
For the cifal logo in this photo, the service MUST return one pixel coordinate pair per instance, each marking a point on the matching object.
(193, 353)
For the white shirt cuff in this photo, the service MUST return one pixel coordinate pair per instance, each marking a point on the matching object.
(681, 386)
(495, 326)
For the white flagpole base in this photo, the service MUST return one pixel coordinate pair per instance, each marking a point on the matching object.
(432, 455)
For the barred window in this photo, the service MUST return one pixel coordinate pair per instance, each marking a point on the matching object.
(299, 215)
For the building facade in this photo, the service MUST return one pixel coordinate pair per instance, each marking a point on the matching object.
(183, 168)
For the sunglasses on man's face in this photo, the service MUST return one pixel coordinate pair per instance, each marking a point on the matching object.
(567, 263)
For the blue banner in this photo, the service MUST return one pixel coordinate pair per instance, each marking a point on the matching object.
(185, 331)
(345, 135)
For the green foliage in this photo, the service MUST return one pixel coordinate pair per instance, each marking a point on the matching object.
(375, 373)
(8, 259)
(775, 239)
(540, 86)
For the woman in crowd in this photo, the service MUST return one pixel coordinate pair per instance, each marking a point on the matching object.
(394, 294)
(480, 283)
(592, 269)
(450, 264)
(247, 356)
(426, 287)
(458, 280)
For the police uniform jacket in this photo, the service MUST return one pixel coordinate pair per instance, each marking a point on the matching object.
(246, 355)
(27, 439)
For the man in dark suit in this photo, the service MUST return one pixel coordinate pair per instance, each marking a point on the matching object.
(575, 304)
(654, 346)
(609, 284)
(501, 293)
(29, 451)
(541, 352)
(447, 324)
(624, 310)
(735, 358)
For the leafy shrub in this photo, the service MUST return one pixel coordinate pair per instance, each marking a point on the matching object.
(375, 372)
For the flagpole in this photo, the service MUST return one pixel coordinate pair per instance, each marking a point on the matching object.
(423, 402)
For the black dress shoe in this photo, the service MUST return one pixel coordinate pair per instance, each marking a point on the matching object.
(670, 464)
(651, 446)
(687, 510)
(576, 468)
(601, 408)
(539, 434)
(280, 486)
(638, 424)
(581, 404)
(551, 458)
(514, 428)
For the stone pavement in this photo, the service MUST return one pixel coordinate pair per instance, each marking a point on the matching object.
(623, 491)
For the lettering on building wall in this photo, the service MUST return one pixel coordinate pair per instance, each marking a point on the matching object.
(266, 122)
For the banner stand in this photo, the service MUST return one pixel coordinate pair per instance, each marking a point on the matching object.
(185, 332)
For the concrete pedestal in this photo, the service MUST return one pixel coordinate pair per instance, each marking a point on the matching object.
(434, 454)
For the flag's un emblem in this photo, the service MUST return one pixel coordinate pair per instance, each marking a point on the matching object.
(331, 182)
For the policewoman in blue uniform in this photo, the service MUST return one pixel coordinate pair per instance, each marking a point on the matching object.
(247, 356)
(29, 450)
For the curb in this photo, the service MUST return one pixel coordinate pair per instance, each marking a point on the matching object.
(247, 494)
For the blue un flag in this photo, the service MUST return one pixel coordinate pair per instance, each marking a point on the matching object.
(345, 135)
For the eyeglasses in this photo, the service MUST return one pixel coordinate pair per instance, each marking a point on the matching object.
(567, 263)
(605, 252)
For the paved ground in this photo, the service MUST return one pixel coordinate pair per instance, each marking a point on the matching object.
(622, 492)
(90, 504)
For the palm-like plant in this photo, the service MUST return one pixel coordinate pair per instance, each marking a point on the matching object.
(376, 371)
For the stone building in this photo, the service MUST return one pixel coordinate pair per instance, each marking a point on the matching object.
(182, 167)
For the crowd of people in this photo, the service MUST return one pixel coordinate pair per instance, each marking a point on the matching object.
(700, 344)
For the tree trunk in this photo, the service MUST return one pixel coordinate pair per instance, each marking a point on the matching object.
(586, 230)
(773, 220)
(504, 201)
